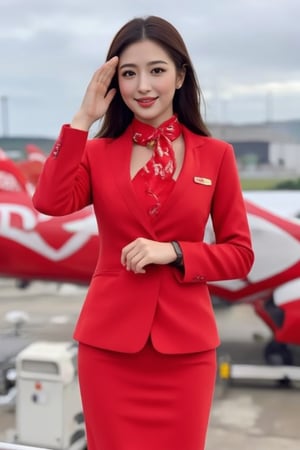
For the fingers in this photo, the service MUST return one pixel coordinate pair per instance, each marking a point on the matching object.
(134, 257)
(105, 73)
(139, 253)
(110, 95)
(97, 97)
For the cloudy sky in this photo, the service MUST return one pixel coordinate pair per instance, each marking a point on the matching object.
(246, 53)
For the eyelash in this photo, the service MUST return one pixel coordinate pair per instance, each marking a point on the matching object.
(131, 73)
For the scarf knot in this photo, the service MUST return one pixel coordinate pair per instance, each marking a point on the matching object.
(159, 140)
(162, 164)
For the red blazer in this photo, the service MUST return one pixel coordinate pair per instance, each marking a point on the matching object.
(122, 308)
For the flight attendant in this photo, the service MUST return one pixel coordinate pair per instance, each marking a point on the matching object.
(147, 332)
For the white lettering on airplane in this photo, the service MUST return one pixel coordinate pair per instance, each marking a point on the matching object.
(8, 182)
(275, 251)
(28, 237)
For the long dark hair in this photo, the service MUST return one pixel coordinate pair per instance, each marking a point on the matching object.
(187, 99)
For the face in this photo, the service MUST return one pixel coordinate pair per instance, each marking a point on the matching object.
(148, 79)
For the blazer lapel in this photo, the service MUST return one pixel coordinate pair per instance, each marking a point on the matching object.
(119, 165)
(187, 171)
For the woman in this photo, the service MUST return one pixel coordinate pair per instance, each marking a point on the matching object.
(147, 333)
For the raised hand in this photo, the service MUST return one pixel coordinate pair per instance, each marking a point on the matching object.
(97, 96)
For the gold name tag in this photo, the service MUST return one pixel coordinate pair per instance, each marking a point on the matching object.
(201, 180)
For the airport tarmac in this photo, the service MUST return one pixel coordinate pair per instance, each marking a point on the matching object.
(256, 416)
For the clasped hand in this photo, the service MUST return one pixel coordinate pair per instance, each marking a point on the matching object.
(141, 252)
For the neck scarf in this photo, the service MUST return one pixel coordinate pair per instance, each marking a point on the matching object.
(159, 140)
(161, 166)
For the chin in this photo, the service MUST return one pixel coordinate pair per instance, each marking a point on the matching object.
(151, 118)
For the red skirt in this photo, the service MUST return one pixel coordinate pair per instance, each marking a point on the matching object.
(146, 400)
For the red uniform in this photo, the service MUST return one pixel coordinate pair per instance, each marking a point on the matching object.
(147, 341)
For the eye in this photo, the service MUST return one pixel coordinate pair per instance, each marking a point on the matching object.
(128, 73)
(158, 70)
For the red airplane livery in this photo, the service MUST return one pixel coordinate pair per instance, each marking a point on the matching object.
(35, 246)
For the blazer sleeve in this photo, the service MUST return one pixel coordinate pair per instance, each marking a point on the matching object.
(64, 184)
(231, 255)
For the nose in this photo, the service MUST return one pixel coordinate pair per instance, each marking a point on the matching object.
(144, 83)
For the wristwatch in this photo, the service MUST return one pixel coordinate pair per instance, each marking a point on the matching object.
(179, 256)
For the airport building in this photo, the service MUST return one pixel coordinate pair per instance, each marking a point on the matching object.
(270, 148)
(262, 149)
(14, 146)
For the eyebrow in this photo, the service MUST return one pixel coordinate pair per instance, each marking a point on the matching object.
(151, 63)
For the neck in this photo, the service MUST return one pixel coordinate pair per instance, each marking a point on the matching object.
(155, 124)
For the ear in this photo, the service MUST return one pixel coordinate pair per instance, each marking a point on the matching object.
(180, 77)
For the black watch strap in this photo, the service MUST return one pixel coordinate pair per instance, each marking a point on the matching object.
(179, 256)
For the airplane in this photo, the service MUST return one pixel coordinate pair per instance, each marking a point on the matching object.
(24, 174)
(31, 167)
(273, 285)
(11, 177)
(64, 249)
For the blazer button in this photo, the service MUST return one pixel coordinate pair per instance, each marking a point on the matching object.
(56, 149)
(199, 278)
